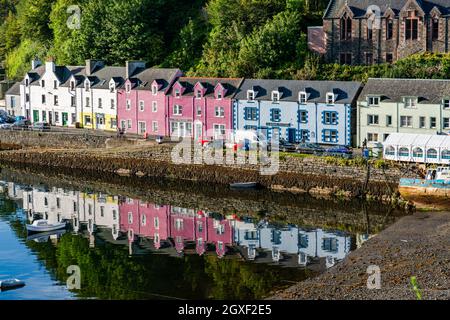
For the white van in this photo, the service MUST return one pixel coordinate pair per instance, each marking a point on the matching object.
(248, 139)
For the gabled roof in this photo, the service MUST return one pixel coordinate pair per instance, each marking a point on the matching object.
(230, 84)
(359, 7)
(14, 90)
(144, 78)
(317, 90)
(428, 91)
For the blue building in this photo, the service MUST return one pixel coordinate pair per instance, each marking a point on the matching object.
(321, 112)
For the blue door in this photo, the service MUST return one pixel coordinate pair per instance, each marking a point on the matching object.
(292, 135)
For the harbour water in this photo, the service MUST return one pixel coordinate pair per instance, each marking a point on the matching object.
(132, 247)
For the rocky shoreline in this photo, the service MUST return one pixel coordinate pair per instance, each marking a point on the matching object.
(415, 246)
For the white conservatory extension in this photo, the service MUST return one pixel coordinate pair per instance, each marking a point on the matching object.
(419, 148)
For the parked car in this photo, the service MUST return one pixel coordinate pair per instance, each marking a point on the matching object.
(20, 125)
(41, 126)
(339, 151)
(286, 146)
(310, 148)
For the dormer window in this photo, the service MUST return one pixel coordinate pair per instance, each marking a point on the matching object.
(42, 83)
(275, 96)
(128, 88)
(198, 94)
(373, 101)
(27, 82)
(410, 102)
(72, 85)
(302, 97)
(219, 95)
(87, 86)
(112, 87)
(250, 95)
(154, 90)
(446, 103)
(55, 84)
(177, 93)
(330, 98)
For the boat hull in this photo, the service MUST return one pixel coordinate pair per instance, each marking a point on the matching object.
(249, 185)
(32, 228)
(426, 194)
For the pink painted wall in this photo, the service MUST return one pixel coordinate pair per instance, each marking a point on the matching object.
(135, 115)
(208, 103)
(226, 237)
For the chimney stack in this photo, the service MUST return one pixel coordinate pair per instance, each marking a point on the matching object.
(35, 63)
(132, 66)
(92, 65)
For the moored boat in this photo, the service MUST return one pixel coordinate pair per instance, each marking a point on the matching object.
(244, 185)
(44, 226)
(435, 185)
(11, 284)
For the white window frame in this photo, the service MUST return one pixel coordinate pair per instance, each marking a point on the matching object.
(141, 105)
(410, 102)
(219, 112)
(155, 126)
(128, 104)
(408, 123)
(275, 96)
(177, 110)
(140, 127)
(371, 120)
(154, 89)
(154, 106)
(302, 97)
(128, 88)
(250, 95)
(331, 98)
(373, 101)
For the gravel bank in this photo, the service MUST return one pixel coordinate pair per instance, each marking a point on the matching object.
(417, 245)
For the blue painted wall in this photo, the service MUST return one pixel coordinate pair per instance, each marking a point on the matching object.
(316, 129)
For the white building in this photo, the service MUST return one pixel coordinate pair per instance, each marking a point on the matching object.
(419, 148)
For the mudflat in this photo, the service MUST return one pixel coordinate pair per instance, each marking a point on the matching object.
(415, 246)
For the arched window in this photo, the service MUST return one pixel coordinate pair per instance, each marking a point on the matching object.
(432, 154)
(346, 28)
(390, 151)
(446, 155)
(418, 153)
(403, 152)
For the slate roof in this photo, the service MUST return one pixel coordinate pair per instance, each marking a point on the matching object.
(346, 91)
(428, 91)
(101, 76)
(14, 90)
(230, 84)
(143, 78)
(359, 7)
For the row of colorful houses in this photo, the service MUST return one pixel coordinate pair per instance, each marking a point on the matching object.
(162, 102)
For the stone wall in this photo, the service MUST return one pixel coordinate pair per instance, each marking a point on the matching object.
(53, 139)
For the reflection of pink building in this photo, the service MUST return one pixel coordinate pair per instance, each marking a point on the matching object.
(144, 219)
(182, 225)
(221, 234)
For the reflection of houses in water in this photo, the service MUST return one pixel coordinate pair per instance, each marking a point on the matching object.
(171, 226)
(176, 230)
(57, 204)
(283, 243)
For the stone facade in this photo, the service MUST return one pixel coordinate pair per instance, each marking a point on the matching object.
(385, 31)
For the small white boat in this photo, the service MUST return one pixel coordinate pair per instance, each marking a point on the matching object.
(11, 284)
(244, 185)
(44, 226)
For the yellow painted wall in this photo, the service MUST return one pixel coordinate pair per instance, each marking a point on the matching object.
(93, 125)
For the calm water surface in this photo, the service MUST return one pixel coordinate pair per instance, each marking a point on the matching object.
(128, 248)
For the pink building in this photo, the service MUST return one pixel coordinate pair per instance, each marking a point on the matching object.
(201, 108)
(142, 100)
